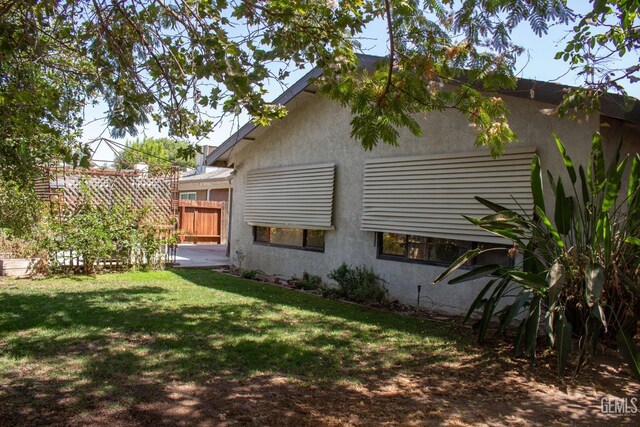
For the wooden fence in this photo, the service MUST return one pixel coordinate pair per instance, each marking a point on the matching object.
(203, 221)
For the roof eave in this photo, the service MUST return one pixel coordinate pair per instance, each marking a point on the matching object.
(245, 131)
(546, 92)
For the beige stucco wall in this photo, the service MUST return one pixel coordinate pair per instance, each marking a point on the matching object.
(219, 195)
(193, 185)
(214, 194)
(318, 130)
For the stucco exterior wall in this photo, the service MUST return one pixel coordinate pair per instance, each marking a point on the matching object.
(318, 130)
(218, 195)
(215, 194)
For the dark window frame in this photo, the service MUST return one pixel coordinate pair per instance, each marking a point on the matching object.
(304, 246)
(405, 258)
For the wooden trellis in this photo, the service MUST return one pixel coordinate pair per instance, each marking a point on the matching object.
(62, 187)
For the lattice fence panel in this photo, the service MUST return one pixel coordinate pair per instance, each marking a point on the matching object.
(107, 188)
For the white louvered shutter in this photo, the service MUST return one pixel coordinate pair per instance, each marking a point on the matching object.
(427, 195)
(294, 197)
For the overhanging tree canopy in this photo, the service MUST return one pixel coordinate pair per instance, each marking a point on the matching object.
(185, 63)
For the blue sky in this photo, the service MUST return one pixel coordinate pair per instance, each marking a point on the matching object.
(536, 63)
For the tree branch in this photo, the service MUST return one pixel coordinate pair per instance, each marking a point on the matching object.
(392, 49)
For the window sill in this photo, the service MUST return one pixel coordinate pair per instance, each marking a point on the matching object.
(421, 262)
(299, 248)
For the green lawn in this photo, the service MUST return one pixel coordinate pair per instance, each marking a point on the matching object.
(129, 348)
(94, 335)
(194, 324)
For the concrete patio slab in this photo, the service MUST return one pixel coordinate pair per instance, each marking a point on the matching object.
(200, 256)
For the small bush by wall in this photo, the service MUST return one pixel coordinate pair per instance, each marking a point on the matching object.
(309, 282)
(249, 274)
(359, 284)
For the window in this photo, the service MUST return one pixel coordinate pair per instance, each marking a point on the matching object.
(425, 196)
(188, 196)
(293, 197)
(312, 240)
(432, 250)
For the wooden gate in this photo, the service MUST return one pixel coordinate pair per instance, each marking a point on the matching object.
(202, 221)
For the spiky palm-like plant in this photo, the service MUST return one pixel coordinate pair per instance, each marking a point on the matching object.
(580, 269)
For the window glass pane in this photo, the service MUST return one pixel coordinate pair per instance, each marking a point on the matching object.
(187, 196)
(494, 257)
(315, 239)
(444, 250)
(262, 234)
(418, 246)
(393, 244)
(286, 236)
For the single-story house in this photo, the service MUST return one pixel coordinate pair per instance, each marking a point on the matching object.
(203, 203)
(307, 197)
(205, 182)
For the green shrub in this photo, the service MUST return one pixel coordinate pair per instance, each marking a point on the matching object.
(359, 284)
(308, 282)
(20, 209)
(580, 272)
(250, 274)
(92, 233)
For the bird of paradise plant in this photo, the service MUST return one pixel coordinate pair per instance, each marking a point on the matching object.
(580, 262)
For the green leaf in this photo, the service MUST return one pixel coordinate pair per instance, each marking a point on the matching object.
(634, 177)
(568, 163)
(489, 308)
(633, 193)
(562, 334)
(462, 260)
(479, 300)
(487, 314)
(534, 281)
(536, 184)
(520, 335)
(594, 283)
(632, 240)
(597, 171)
(563, 210)
(532, 327)
(612, 188)
(493, 206)
(604, 235)
(600, 6)
(629, 351)
(501, 218)
(552, 183)
(476, 273)
(514, 309)
(502, 229)
(550, 227)
(530, 261)
(585, 186)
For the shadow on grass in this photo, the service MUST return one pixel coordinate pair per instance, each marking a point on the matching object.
(239, 351)
(190, 342)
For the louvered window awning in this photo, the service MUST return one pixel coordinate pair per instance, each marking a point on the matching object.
(293, 197)
(427, 195)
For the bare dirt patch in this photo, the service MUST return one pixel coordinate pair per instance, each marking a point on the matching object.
(475, 391)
